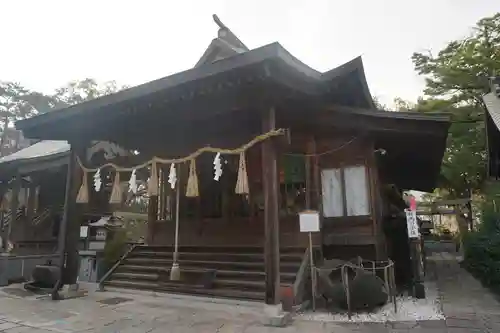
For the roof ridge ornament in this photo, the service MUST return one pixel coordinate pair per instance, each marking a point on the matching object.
(219, 22)
(227, 35)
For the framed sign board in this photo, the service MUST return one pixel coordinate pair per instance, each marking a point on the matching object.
(412, 224)
(309, 221)
(84, 231)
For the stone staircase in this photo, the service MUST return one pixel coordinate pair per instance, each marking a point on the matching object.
(229, 272)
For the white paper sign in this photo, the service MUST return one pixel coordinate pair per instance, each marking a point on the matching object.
(84, 231)
(412, 224)
(309, 221)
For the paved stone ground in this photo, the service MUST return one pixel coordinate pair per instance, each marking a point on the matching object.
(467, 306)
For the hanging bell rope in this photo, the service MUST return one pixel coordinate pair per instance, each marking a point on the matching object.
(83, 192)
(192, 183)
(242, 182)
(153, 180)
(116, 193)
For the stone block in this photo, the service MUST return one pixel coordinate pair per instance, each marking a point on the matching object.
(432, 323)
(403, 324)
(463, 323)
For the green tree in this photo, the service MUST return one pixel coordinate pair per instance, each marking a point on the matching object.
(17, 102)
(456, 79)
(84, 90)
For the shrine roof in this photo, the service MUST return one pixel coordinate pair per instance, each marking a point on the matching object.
(226, 62)
(339, 97)
(42, 149)
(36, 156)
(492, 102)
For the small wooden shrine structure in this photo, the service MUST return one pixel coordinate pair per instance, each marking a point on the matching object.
(249, 138)
(32, 183)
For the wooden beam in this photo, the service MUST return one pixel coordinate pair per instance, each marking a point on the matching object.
(350, 239)
(445, 202)
(271, 210)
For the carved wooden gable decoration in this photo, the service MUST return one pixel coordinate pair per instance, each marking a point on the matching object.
(110, 150)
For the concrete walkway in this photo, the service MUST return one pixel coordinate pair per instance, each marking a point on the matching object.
(467, 306)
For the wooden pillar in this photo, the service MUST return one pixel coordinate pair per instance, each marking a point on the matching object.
(313, 198)
(152, 218)
(30, 210)
(14, 206)
(375, 212)
(308, 174)
(271, 213)
(69, 232)
(316, 196)
(418, 286)
(30, 205)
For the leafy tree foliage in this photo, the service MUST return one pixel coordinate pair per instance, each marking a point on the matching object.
(80, 91)
(456, 79)
(18, 102)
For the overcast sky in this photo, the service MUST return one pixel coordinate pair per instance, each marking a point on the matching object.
(47, 43)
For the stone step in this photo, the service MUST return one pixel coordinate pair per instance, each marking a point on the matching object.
(239, 271)
(216, 249)
(240, 284)
(176, 288)
(255, 266)
(218, 283)
(219, 256)
(135, 276)
(221, 273)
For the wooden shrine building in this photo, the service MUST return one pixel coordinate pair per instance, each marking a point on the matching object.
(492, 103)
(32, 183)
(290, 138)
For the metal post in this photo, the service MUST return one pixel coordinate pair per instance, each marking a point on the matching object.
(313, 272)
(177, 199)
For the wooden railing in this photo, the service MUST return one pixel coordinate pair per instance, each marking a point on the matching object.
(303, 275)
(115, 266)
